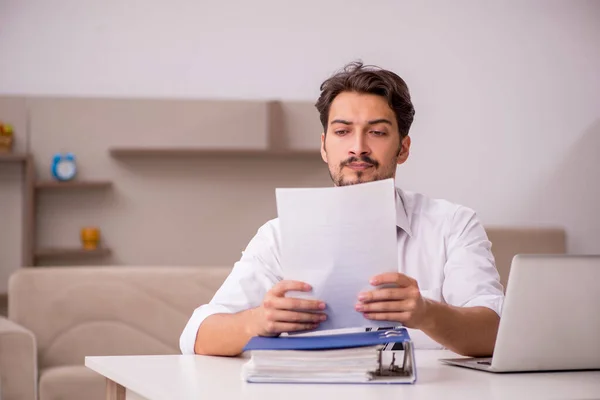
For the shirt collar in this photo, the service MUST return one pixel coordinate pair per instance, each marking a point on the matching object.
(401, 215)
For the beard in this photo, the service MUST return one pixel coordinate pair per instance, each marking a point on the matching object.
(376, 172)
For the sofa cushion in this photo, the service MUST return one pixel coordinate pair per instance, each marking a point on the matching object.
(108, 311)
(508, 242)
(73, 382)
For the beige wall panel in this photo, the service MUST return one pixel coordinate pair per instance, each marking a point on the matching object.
(162, 210)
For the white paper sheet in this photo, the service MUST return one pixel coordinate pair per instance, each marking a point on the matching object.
(336, 239)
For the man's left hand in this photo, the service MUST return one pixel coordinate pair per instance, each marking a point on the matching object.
(400, 300)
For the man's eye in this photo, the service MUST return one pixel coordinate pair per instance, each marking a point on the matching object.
(341, 132)
(378, 133)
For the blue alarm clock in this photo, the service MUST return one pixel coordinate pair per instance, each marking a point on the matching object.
(64, 167)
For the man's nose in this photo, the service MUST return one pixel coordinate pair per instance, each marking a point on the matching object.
(360, 145)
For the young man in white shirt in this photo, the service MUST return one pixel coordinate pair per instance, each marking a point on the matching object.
(447, 288)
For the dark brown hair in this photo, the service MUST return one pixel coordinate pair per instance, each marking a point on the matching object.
(356, 77)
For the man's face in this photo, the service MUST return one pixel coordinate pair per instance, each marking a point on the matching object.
(362, 143)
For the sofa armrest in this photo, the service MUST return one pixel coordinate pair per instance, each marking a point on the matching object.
(18, 362)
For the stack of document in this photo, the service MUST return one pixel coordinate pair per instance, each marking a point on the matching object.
(342, 358)
(336, 239)
(346, 365)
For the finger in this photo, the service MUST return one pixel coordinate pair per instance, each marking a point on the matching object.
(387, 306)
(282, 287)
(389, 316)
(293, 316)
(388, 294)
(291, 303)
(279, 327)
(392, 277)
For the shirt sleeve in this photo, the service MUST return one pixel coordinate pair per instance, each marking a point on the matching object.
(470, 275)
(251, 278)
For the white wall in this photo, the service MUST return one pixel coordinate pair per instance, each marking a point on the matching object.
(507, 93)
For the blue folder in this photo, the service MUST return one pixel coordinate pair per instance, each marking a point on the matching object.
(387, 373)
(329, 342)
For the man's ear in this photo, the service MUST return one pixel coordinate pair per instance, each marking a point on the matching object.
(323, 152)
(404, 150)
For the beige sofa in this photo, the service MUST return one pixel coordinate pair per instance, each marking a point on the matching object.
(57, 316)
(507, 242)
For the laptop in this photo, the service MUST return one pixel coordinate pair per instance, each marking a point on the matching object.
(550, 318)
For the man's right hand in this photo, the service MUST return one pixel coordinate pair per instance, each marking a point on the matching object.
(278, 313)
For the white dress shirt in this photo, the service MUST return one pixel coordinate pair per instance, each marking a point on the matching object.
(441, 245)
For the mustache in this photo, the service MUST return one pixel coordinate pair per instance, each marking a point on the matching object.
(361, 159)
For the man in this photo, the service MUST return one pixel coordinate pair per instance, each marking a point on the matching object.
(447, 288)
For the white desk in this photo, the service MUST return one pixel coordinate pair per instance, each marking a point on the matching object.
(199, 377)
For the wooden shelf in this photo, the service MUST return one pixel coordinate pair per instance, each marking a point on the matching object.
(13, 157)
(51, 185)
(70, 253)
(191, 152)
